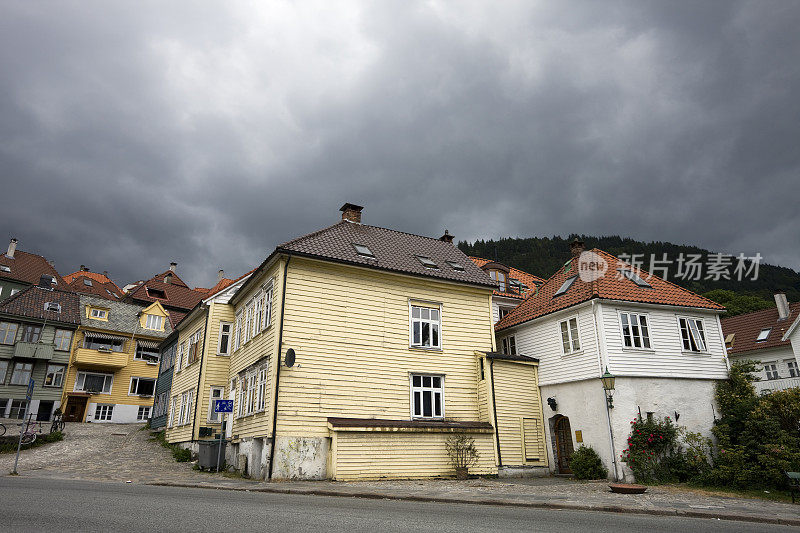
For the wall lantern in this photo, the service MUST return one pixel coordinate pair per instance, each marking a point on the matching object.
(608, 386)
(552, 403)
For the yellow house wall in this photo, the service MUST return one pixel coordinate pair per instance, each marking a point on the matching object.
(154, 309)
(185, 379)
(122, 377)
(350, 330)
(517, 397)
(215, 366)
(265, 343)
(382, 455)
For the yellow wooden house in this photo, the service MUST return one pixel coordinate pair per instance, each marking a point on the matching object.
(114, 361)
(355, 353)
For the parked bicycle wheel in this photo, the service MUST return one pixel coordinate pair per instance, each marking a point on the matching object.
(28, 438)
(2, 430)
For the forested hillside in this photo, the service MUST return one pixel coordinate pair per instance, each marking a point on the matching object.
(542, 256)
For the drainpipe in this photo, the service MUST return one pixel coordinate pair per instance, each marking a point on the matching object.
(494, 408)
(199, 376)
(278, 371)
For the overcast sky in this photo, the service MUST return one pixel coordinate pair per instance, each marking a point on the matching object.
(134, 134)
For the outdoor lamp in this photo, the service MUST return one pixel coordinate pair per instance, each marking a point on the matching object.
(608, 386)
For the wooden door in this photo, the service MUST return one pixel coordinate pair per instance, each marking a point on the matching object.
(73, 412)
(564, 447)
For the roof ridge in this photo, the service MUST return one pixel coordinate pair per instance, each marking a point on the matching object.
(308, 235)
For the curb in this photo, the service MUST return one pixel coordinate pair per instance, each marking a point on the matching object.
(502, 503)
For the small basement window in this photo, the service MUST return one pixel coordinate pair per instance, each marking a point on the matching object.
(87, 282)
(633, 277)
(156, 293)
(363, 251)
(456, 266)
(5, 268)
(762, 336)
(565, 286)
(427, 262)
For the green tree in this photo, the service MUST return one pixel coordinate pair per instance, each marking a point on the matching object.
(737, 303)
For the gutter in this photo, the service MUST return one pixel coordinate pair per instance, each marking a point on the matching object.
(494, 408)
(278, 371)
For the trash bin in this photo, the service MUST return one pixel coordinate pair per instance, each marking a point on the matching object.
(208, 453)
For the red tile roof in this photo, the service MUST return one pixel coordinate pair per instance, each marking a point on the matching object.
(30, 303)
(610, 287)
(101, 284)
(528, 279)
(746, 328)
(28, 268)
(178, 294)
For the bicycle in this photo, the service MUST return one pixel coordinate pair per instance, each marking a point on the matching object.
(2, 430)
(58, 424)
(28, 430)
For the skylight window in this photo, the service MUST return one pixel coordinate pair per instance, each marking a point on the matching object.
(633, 277)
(5, 268)
(565, 286)
(363, 251)
(456, 266)
(427, 262)
(52, 306)
(87, 282)
(156, 293)
(762, 336)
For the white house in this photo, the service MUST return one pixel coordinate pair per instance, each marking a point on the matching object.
(663, 344)
(763, 337)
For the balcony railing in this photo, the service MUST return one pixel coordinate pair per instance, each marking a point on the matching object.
(100, 359)
(34, 350)
(770, 385)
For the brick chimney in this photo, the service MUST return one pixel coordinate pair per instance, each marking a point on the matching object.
(220, 275)
(172, 266)
(783, 305)
(446, 237)
(576, 247)
(351, 213)
(12, 247)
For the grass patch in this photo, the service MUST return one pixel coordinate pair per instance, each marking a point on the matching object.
(181, 455)
(9, 444)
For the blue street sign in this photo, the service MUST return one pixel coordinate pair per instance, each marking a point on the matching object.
(223, 406)
(29, 394)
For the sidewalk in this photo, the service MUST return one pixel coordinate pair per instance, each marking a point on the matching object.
(552, 493)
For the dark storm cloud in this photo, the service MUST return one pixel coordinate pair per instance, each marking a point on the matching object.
(137, 134)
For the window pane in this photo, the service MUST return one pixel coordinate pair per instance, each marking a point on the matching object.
(426, 313)
(426, 334)
(426, 381)
(417, 333)
(427, 408)
(437, 404)
(434, 335)
(565, 337)
(417, 381)
(435, 315)
(415, 312)
(437, 382)
(417, 403)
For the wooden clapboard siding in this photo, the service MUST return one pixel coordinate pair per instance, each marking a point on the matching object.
(377, 455)
(215, 367)
(185, 379)
(350, 330)
(517, 399)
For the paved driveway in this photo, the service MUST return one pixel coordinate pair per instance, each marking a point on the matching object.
(103, 452)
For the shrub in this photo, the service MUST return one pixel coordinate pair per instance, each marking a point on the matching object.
(461, 451)
(182, 455)
(9, 444)
(586, 464)
(651, 447)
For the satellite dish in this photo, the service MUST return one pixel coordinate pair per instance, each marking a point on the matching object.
(289, 358)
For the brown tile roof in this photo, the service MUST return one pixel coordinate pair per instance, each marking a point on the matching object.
(528, 279)
(28, 268)
(609, 287)
(101, 284)
(746, 328)
(177, 294)
(30, 303)
(509, 357)
(393, 250)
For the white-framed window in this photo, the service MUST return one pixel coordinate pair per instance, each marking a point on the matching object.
(17, 409)
(693, 334)
(791, 364)
(259, 301)
(237, 333)
(99, 314)
(178, 357)
(267, 314)
(763, 334)
(635, 330)
(21, 374)
(172, 408)
(146, 354)
(154, 322)
(143, 414)
(3, 372)
(94, 382)
(224, 347)
(771, 369)
(252, 391)
(8, 332)
(510, 345)
(189, 407)
(248, 318)
(54, 377)
(426, 326)
(503, 311)
(193, 352)
(63, 339)
(570, 342)
(214, 395)
(427, 396)
(103, 412)
(262, 389)
(142, 386)
(242, 388)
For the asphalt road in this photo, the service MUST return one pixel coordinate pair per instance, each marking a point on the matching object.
(30, 504)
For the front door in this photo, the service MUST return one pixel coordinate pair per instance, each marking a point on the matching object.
(45, 410)
(76, 405)
(563, 445)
